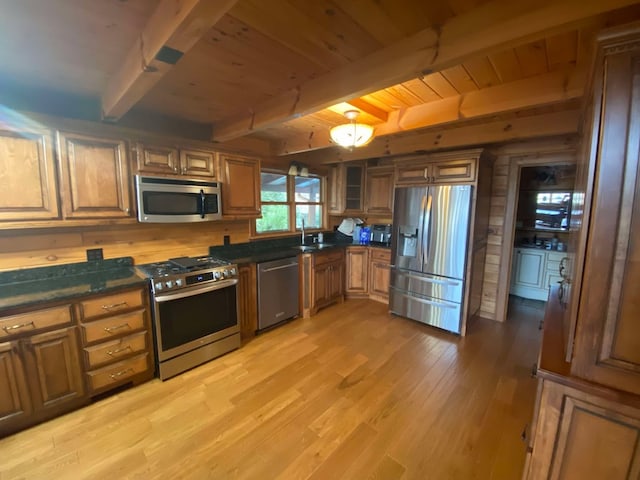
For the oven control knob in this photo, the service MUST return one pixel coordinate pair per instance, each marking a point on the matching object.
(169, 284)
(178, 282)
(158, 286)
(225, 274)
(216, 275)
(233, 271)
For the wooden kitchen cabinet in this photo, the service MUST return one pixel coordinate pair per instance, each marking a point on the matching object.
(54, 368)
(40, 371)
(527, 273)
(580, 434)
(247, 301)
(95, 180)
(171, 160)
(327, 278)
(15, 400)
(588, 421)
(27, 162)
(379, 191)
(116, 339)
(240, 185)
(379, 274)
(450, 167)
(346, 188)
(357, 271)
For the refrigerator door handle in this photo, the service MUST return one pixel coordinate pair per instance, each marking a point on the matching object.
(434, 280)
(426, 244)
(428, 302)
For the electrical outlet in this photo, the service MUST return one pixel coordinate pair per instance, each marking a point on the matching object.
(226, 240)
(94, 254)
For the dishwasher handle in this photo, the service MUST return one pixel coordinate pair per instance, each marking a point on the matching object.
(281, 267)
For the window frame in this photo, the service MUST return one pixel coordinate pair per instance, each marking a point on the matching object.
(291, 203)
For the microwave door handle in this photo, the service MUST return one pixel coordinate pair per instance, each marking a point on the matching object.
(202, 200)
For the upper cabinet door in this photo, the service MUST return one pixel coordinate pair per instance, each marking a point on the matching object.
(240, 185)
(380, 190)
(346, 189)
(607, 348)
(27, 174)
(157, 159)
(198, 162)
(95, 177)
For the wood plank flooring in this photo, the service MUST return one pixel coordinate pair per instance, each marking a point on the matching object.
(351, 393)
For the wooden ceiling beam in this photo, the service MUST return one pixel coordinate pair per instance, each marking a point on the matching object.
(366, 107)
(547, 89)
(493, 26)
(173, 28)
(565, 122)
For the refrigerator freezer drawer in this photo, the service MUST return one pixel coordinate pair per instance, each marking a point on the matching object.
(428, 285)
(439, 313)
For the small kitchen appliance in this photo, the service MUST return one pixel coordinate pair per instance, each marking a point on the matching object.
(381, 234)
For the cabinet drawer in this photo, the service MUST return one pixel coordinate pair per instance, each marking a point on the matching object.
(380, 256)
(110, 304)
(322, 258)
(556, 256)
(32, 321)
(118, 372)
(113, 327)
(113, 350)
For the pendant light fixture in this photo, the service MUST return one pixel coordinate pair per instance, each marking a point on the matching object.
(352, 134)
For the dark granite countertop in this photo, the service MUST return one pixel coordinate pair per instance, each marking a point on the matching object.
(19, 288)
(275, 249)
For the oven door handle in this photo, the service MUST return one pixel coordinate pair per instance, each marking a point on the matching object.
(190, 292)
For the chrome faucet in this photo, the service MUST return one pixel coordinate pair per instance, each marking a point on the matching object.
(302, 220)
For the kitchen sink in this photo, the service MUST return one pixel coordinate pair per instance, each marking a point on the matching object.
(314, 248)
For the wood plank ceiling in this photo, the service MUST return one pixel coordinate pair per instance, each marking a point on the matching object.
(286, 70)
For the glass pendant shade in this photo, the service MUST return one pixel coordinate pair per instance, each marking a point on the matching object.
(350, 135)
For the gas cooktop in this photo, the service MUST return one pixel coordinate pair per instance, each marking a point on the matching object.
(183, 272)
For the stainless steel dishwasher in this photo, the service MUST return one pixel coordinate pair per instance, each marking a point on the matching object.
(277, 291)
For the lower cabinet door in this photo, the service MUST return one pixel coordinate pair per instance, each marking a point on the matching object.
(15, 403)
(54, 368)
(580, 435)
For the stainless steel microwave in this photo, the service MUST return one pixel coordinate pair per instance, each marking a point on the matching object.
(175, 200)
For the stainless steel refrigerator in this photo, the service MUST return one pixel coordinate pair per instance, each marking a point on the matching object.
(429, 253)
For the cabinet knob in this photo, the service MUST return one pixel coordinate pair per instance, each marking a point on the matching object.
(175, 169)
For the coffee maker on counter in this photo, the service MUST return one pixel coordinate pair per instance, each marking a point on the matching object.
(380, 234)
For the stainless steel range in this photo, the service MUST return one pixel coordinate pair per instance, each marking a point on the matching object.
(194, 303)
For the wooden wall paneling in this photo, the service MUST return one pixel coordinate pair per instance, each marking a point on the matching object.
(145, 243)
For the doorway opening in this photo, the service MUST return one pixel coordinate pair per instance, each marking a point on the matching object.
(536, 229)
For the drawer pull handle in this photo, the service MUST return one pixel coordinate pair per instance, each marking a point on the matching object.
(118, 350)
(19, 325)
(115, 376)
(114, 305)
(117, 327)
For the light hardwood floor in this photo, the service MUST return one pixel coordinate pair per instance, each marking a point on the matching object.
(351, 393)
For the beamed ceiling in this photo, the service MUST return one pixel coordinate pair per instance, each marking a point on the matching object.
(284, 71)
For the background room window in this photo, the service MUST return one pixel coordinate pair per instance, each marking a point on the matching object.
(286, 200)
(275, 205)
(307, 202)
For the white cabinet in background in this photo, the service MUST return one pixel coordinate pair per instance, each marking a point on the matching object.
(533, 271)
(527, 273)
